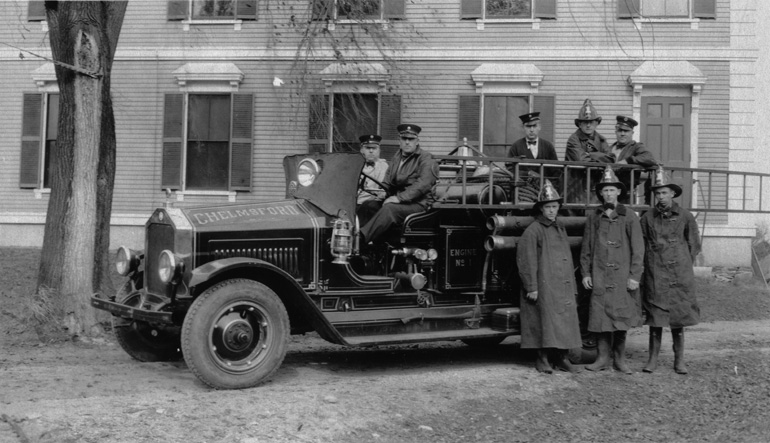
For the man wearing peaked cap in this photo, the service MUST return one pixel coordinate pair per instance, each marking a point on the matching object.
(408, 183)
(626, 151)
(375, 167)
(611, 265)
(549, 319)
(531, 145)
(672, 242)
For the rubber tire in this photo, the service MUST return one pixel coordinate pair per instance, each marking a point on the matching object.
(232, 306)
(137, 339)
(481, 343)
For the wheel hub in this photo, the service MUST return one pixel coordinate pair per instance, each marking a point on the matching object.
(238, 335)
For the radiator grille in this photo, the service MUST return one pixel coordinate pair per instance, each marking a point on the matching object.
(285, 258)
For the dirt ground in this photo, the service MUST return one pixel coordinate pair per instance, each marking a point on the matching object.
(89, 390)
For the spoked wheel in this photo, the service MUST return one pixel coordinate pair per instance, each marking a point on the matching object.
(144, 341)
(235, 334)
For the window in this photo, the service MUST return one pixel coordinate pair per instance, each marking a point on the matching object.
(358, 10)
(667, 9)
(205, 10)
(508, 9)
(337, 120)
(496, 119)
(40, 119)
(216, 133)
(36, 11)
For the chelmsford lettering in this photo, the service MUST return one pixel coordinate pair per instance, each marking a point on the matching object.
(203, 218)
(463, 252)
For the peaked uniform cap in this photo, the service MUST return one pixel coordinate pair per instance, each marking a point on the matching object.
(547, 194)
(621, 121)
(530, 117)
(370, 139)
(663, 180)
(407, 129)
(609, 179)
(587, 113)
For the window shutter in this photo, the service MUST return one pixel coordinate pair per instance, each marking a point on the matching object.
(468, 122)
(545, 9)
(241, 141)
(322, 9)
(246, 10)
(471, 8)
(36, 11)
(390, 117)
(31, 140)
(395, 9)
(178, 9)
(546, 105)
(704, 9)
(318, 123)
(173, 115)
(629, 8)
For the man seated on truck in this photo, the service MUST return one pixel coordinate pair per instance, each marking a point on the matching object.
(626, 151)
(375, 167)
(408, 184)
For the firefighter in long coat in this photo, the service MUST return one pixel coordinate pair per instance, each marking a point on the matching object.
(672, 243)
(611, 265)
(549, 321)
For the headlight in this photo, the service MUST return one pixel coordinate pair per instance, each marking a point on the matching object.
(126, 261)
(307, 172)
(170, 267)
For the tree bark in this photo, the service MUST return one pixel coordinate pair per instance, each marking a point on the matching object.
(75, 257)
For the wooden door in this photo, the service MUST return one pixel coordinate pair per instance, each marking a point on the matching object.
(665, 131)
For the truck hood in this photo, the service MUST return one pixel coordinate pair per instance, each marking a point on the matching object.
(286, 214)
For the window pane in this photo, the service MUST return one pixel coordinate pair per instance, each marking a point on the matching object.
(509, 8)
(208, 136)
(358, 9)
(502, 126)
(213, 8)
(207, 165)
(354, 115)
(665, 8)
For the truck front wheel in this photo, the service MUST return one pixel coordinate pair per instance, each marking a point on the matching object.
(141, 340)
(235, 334)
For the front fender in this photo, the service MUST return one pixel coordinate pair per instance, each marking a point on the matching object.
(298, 303)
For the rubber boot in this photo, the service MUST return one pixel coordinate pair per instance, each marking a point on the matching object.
(542, 364)
(655, 338)
(678, 336)
(619, 352)
(561, 361)
(603, 346)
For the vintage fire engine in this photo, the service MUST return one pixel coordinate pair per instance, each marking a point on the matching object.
(224, 286)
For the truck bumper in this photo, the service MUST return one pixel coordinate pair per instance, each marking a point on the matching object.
(124, 311)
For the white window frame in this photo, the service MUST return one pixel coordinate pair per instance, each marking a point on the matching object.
(203, 79)
(505, 79)
(480, 22)
(640, 21)
(236, 23)
(45, 80)
(331, 26)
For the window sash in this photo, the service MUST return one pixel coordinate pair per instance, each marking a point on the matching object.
(207, 144)
(666, 8)
(522, 9)
(213, 9)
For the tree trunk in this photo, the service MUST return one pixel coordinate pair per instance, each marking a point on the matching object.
(75, 257)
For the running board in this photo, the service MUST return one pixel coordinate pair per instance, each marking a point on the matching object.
(391, 339)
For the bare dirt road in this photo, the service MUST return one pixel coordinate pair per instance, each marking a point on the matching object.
(92, 391)
(445, 392)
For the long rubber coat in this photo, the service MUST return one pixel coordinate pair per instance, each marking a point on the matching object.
(545, 265)
(612, 252)
(672, 243)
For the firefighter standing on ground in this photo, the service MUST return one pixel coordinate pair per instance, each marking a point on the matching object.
(672, 243)
(611, 265)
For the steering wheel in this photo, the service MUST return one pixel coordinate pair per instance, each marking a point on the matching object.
(362, 183)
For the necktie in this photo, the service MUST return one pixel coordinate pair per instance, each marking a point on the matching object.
(609, 206)
(532, 145)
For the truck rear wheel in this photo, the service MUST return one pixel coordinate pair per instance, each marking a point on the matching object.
(235, 334)
(141, 340)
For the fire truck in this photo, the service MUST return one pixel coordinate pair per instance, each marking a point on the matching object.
(224, 286)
